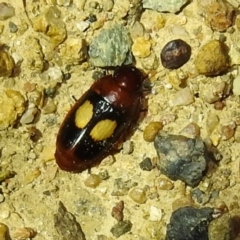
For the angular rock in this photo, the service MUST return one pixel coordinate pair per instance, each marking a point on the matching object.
(189, 223)
(67, 225)
(112, 47)
(181, 158)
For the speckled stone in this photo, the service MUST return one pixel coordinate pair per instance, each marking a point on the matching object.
(181, 158)
(67, 225)
(112, 47)
(212, 59)
(164, 6)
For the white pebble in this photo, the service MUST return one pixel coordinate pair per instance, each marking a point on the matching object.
(155, 214)
(183, 97)
(83, 25)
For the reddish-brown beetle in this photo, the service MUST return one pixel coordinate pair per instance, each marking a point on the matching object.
(100, 120)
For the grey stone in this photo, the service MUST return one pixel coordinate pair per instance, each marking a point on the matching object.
(112, 47)
(164, 6)
(189, 223)
(67, 225)
(181, 158)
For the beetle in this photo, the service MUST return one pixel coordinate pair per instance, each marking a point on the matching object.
(100, 120)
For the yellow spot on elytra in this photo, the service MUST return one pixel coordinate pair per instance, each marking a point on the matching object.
(84, 114)
(103, 129)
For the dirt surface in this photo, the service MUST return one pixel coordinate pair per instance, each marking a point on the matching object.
(31, 197)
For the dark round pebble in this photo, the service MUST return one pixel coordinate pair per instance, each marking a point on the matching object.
(175, 54)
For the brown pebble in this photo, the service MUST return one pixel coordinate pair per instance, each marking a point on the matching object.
(219, 105)
(151, 131)
(117, 211)
(164, 184)
(228, 130)
(175, 54)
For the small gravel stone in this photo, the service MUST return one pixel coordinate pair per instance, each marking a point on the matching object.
(4, 232)
(212, 59)
(117, 211)
(155, 214)
(181, 157)
(219, 105)
(121, 228)
(73, 51)
(6, 64)
(189, 223)
(83, 25)
(93, 181)
(112, 47)
(212, 122)
(228, 130)
(218, 14)
(53, 74)
(127, 147)
(164, 184)
(29, 115)
(213, 92)
(49, 107)
(66, 225)
(183, 97)
(199, 196)
(122, 186)
(6, 11)
(192, 130)
(13, 27)
(146, 164)
(141, 47)
(175, 54)
(138, 195)
(164, 6)
(151, 130)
